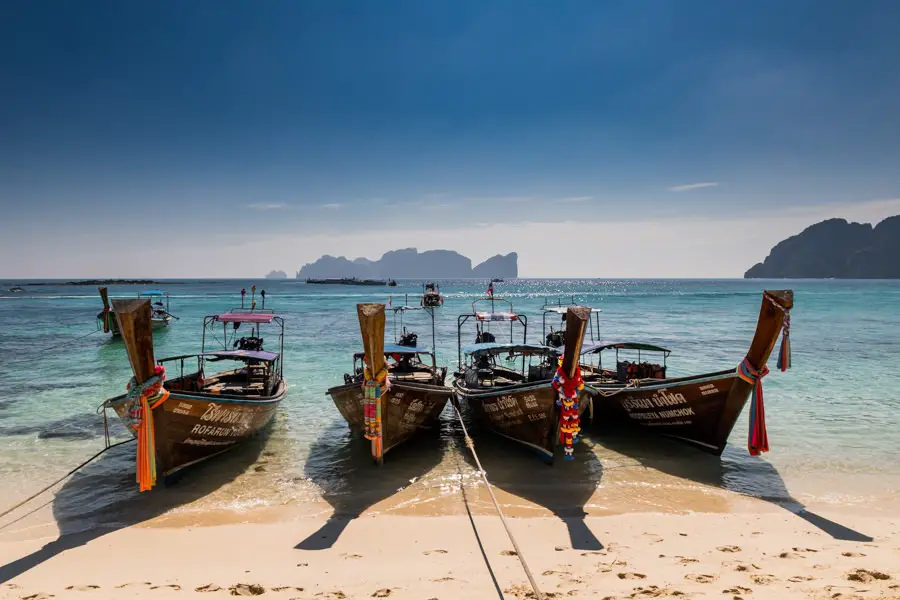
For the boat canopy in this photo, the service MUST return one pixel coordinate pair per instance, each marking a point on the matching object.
(498, 348)
(153, 293)
(398, 349)
(249, 317)
(561, 310)
(244, 354)
(496, 316)
(601, 346)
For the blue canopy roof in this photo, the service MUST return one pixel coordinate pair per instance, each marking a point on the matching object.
(497, 348)
(153, 293)
(398, 349)
(601, 346)
(244, 354)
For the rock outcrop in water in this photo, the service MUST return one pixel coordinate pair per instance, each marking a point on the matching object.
(836, 249)
(409, 263)
(276, 275)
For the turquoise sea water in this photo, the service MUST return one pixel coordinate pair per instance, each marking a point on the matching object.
(834, 419)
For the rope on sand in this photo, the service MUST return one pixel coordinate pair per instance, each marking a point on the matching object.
(471, 446)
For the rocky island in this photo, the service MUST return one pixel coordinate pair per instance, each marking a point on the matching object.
(836, 249)
(409, 263)
(276, 275)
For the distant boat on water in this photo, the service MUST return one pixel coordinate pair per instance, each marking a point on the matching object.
(159, 313)
(17, 289)
(347, 281)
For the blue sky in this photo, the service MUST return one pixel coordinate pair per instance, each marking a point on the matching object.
(262, 134)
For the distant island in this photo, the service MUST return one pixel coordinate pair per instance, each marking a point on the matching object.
(835, 249)
(409, 263)
(276, 275)
(109, 282)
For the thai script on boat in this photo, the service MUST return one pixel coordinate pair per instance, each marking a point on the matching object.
(657, 400)
(503, 403)
(531, 401)
(221, 414)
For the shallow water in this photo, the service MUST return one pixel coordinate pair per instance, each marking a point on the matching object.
(834, 419)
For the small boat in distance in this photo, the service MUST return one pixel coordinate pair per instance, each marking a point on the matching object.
(700, 410)
(431, 296)
(394, 390)
(196, 415)
(524, 392)
(347, 281)
(159, 313)
(496, 280)
(16, 289)
(391, 283)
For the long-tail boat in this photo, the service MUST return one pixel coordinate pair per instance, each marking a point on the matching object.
(393, 390)
(522, 391)
(159, 313)
(194, 415)
(700, 409)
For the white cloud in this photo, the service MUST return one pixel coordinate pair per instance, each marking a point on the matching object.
(576, 199)
(263, 206)
(693, 186)
(332, 206)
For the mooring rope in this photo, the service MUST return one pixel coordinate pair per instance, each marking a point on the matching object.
(471, 446)
(61, 479)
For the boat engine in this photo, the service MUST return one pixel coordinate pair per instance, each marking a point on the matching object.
(409, 340)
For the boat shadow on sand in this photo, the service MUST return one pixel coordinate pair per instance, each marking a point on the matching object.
(563, 488)
(734, 472)
(103, 497)
(340, 464)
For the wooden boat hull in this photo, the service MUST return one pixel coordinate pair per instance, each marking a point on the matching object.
(699, 410)
(410, 407)
(191, 427)
(527, 415)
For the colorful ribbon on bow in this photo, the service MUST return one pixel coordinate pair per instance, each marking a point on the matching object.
(567, 400)
(141, 400)
(784, 352)
(373, 390)
(758, 439)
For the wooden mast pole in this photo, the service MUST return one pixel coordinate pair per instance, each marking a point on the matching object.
(577, 318)
(133, 317)
(371, 326)
(104, 295)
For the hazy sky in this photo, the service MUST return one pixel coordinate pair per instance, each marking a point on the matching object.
(636, 138)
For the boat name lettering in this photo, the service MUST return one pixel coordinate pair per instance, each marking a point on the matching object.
(416, 406)
(631, 403)
(220, 414)
(503, 403)
(706, 390)
(217, 431)
(537, 416)
(662, 398)
(531, 401)
(665, 414)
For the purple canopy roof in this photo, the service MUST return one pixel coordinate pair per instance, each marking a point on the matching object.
(245, 317)
(252, 354)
